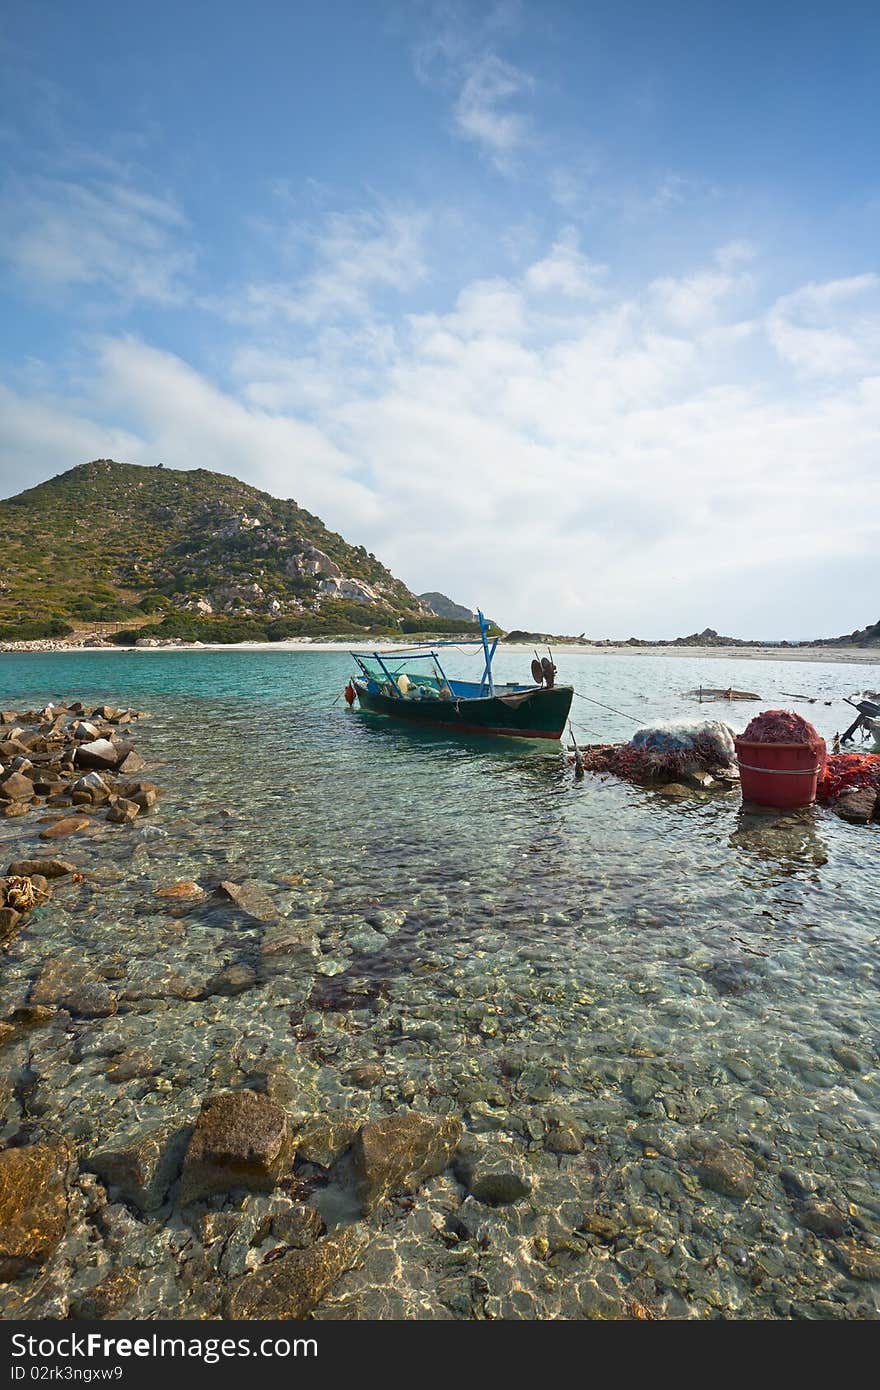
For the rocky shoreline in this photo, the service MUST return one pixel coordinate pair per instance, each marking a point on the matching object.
(214, 1107)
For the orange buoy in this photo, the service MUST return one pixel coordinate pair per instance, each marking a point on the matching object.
(349, 694)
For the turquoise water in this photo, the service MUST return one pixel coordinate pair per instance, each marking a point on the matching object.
(507, 945)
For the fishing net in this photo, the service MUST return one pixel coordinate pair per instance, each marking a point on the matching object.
(849, 772)
(664, 752)
(783, 726)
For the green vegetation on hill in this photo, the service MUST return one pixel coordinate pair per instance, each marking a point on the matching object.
(201, 553)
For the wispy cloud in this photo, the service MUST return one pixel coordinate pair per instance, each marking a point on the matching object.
(351, 257)
(458, 52)
(483, 109)
(64, 232)
(830, 329)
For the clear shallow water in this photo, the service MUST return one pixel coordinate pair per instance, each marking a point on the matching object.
(511, 947)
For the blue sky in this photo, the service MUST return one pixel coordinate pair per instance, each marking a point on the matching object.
(571, 310)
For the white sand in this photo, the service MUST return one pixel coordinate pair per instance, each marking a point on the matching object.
(827, 655)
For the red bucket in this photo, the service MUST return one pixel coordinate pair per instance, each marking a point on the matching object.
(778, 774)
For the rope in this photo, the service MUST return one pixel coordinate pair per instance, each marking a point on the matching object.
(621, 712)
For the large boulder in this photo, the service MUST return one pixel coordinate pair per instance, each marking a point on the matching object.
(49, 868)
(33, 1206)
(290, 1287)
(101, 753)
(241, 1139)
(399, 1152)
(141, 1165)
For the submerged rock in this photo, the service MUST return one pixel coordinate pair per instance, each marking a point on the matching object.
(33, 1206)
(251, 900)
(290, 1287)
(141, 1165)
(400, 1152)
(723, 1169)
(241, 1139)
(491, 1173)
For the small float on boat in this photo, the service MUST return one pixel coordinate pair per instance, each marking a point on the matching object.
(412, 686)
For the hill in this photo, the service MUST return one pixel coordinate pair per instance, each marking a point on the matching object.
(446, 607)
(198, 553)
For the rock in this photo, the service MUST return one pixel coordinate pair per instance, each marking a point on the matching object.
(145, 799)
(491, 1173)
(108, 1298)
(399, 1152)
(123, 811)
(288, 943)
(859, 1261)
(231, 980)
(16, 787)
(857, 807)
(132, 762)
(299, 1226)
(251, 900)
(241, 1139)
(9, 923)
(605, 1227)
(185, 889)
(723, 1169)
(83, 729)
(673, 789)
(9, 809)
(33, 1206)
(91, 785)
(366, 1074)
(100, 753)
(90, 1001)
(49, 868)
(70, 825)
(323, 1138)
(564, 1139)
(823, 1217)
(140, 1166)
(130, 1066)
(290, 1287)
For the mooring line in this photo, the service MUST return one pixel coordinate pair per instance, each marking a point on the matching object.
(621, 712)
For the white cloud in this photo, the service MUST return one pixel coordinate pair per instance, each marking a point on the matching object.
(830, 329)
(59, 233)
(483, 112)
(457, 52)
(352, 258)
(572, 460)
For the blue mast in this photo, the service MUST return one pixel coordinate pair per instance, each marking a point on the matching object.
(487, 681)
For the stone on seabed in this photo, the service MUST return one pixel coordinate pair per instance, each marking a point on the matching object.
(400, 1152)
(33, 1206)
(290, 1287)
(241, 1139)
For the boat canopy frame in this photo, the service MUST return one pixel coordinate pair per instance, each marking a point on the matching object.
(418, 652)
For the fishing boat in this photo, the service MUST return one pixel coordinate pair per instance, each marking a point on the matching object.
(412, 685)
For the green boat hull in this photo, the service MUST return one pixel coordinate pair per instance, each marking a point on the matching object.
(537, 713)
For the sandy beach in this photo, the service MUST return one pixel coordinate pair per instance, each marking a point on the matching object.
(828, 655)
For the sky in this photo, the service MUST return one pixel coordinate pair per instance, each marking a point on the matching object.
(569, 310)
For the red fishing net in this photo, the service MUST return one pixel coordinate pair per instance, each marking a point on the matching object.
(784, 726)
(849, 772)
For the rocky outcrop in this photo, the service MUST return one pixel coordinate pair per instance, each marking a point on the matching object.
(241, 1139)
